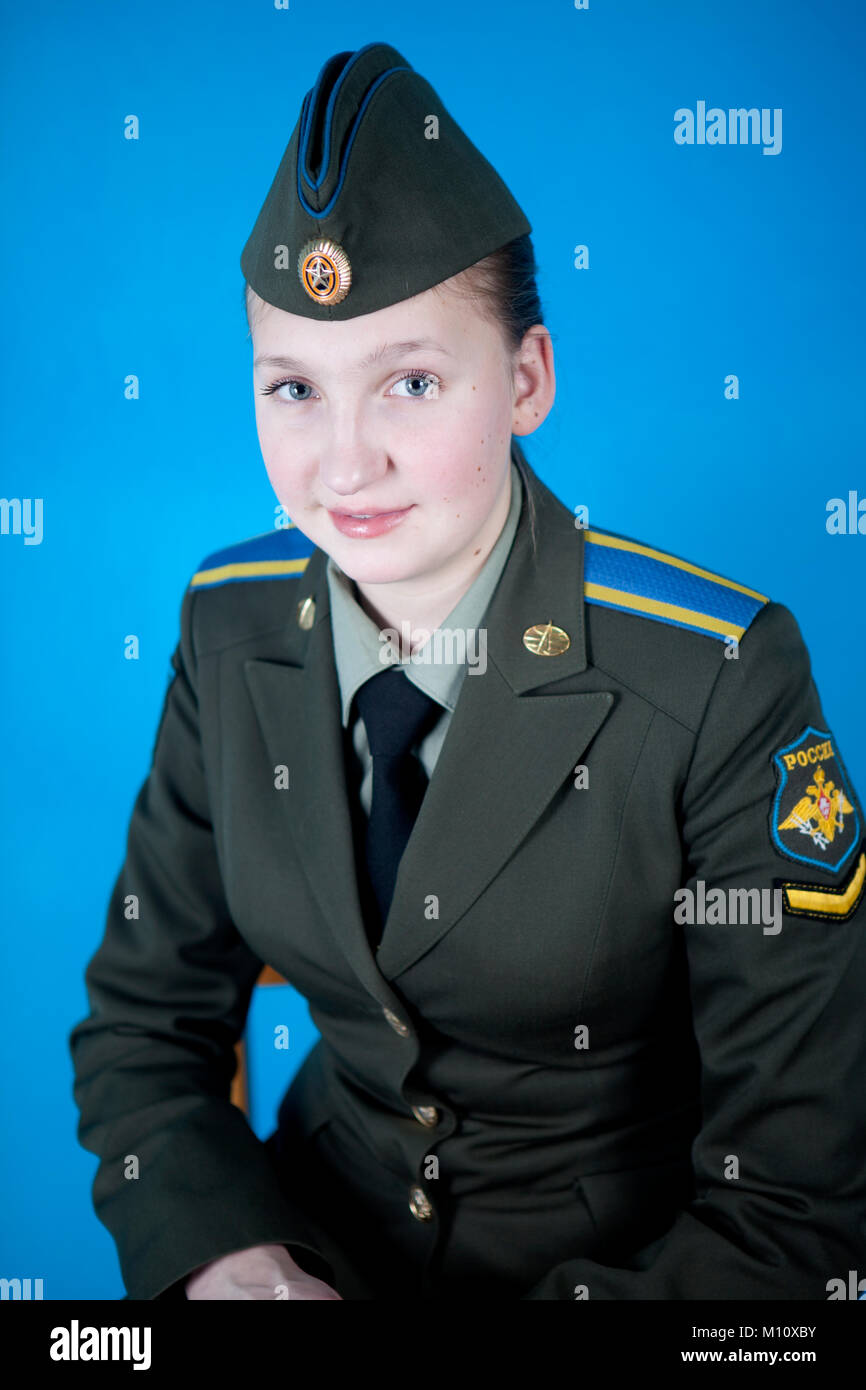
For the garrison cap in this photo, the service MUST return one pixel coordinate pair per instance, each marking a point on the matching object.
(379, 195)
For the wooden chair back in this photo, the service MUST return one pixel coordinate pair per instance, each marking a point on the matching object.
(240, 1092)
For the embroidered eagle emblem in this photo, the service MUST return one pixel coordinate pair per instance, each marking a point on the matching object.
(826, 805)
(814, 817)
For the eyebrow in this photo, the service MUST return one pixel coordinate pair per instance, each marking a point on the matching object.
(385, 350)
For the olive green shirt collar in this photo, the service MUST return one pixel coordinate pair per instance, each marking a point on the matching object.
(357, 645)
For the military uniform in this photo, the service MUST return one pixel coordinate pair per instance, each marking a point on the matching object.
(610, 1042)
(601, 1165)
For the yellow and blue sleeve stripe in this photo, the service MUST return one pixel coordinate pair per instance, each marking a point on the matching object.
(623, 574)
(279, 554)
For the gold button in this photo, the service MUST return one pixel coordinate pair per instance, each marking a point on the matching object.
(426, 1114)
(543, 639)
(419, 1205)
(396, 1023)
(306, 613)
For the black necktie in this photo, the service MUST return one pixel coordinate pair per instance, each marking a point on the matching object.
(396, 715)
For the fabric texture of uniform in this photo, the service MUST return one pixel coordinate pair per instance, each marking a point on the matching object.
(583, 1069)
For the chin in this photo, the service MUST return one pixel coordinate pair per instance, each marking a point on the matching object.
(383, 570)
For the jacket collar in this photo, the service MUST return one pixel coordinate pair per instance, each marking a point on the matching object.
(357, 645)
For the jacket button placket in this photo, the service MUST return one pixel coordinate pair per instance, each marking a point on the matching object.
(415, 1144)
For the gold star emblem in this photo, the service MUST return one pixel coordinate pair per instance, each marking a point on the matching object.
(324, 270)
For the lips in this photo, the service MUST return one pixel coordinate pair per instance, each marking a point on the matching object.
(365, 525)
(365, 515)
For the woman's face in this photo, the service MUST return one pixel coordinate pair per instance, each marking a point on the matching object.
(406, 413)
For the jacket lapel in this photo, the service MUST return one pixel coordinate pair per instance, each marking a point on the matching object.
(516, 733)
(297, 704)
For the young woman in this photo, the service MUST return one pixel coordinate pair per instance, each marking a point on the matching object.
(547, 825)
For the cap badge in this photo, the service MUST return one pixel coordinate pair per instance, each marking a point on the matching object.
(324, 270)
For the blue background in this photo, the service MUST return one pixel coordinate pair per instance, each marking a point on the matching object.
(122, 257)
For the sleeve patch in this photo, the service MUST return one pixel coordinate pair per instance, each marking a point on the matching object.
(814, 818)
(830, 904)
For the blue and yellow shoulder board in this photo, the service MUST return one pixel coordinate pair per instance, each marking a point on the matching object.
(621, 573)
(273, 555)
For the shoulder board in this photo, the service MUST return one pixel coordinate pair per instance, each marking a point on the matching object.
(278, 554)
(621, 573)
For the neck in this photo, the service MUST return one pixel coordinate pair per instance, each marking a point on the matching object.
(424, 603)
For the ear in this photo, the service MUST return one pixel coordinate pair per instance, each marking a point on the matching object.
(534, 380)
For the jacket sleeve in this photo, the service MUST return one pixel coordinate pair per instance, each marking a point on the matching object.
(778, 1018)
(182, 1178)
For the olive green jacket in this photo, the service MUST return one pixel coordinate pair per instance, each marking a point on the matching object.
(547, 1082)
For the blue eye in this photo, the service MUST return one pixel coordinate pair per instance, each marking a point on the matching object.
(430, 385)
(287, 381)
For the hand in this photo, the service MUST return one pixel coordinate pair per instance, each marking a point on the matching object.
(261, 1272)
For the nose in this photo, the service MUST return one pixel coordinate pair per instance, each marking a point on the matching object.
(351, 462)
